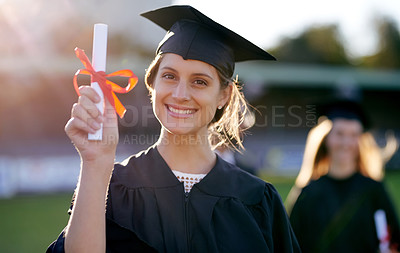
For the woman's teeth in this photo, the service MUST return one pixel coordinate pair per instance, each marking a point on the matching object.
(180, 111)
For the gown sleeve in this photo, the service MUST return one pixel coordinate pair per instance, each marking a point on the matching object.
(274, 222)
(118, 238)
(58, 245)
(299, 221)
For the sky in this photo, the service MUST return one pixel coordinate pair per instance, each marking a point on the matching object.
(29, 24)
(265, 22)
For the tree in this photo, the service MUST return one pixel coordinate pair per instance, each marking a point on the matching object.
(388, 53)
(320, 45)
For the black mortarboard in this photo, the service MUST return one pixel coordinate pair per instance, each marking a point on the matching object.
(194, 36)
(345, 109)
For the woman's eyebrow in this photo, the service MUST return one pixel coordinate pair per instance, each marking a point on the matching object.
(203, 74)
(193, 74)
(168, 68)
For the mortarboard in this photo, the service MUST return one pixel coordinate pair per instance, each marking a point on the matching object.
(345, 109)
(194, 36)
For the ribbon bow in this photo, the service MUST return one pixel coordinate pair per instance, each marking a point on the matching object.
(109, 88)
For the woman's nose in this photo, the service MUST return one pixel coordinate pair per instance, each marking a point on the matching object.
(181, 91)
(349, 141)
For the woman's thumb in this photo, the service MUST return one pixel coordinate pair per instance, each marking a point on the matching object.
(108, 109)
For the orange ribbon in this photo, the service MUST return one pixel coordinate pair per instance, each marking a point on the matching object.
(106, 86)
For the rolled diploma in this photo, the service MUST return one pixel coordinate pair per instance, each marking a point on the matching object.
(381, 230)
(99, 64)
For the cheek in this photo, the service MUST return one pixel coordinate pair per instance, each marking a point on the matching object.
(160, 91)
(205, 97)
(156, 100)
(355, 144)
(208, 107)
(332, 143)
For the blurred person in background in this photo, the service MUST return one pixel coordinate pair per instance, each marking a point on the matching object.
(178, 195)
(339, 188)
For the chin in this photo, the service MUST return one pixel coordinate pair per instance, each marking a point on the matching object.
(178, 126)
(179, 130)
(187, 126)
(186, 133)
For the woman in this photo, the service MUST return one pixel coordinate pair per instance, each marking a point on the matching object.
(338, 190)
(177, 196)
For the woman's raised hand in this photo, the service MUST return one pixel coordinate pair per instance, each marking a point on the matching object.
(86, 227)
(86, 118)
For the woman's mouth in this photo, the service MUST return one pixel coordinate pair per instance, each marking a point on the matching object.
(180, 112)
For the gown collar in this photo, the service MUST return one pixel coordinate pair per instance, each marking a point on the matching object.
(224, 179)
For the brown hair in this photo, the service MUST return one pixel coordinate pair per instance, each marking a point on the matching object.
(226, 128)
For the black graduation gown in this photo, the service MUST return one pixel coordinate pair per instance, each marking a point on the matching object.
(228, 211)
(338, 215)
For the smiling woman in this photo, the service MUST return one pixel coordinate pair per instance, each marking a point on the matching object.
(178, 195)
(186, 95)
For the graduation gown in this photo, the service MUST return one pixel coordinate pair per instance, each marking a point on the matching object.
(229, 210)
(333, 215)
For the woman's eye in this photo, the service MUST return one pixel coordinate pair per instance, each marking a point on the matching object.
(200, 82)
(168, 76)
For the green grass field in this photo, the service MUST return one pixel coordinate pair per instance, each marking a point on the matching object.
(31, 223)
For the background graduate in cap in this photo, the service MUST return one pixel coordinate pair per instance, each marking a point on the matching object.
(178, 195)
(339, 190)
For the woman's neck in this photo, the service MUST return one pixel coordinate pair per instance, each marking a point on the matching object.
(186, 153)
(342, 170)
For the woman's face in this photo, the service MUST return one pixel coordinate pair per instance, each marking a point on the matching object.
(342, 141)
(186, 94)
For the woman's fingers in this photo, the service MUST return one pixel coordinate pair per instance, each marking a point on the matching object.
(85, 116)
(90, 93)
(78, 127)
(88, 100)
(86, 121)
(90, 108)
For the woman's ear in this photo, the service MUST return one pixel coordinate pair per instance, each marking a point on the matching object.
(225, 95)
